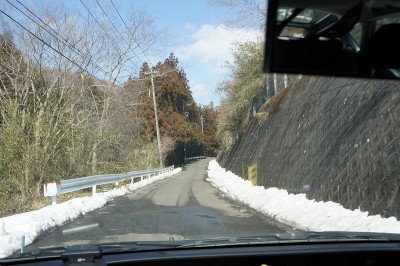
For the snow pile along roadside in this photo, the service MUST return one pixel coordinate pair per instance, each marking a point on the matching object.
(33, 224)
(295, 209)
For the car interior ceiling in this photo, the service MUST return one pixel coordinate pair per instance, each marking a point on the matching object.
(330, 54)
(340, 6)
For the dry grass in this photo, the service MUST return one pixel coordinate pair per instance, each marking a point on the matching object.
(262, 116)
(38, 203)
(272, 104)
(45, 201)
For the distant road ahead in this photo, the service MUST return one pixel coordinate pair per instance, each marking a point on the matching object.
(184, 206)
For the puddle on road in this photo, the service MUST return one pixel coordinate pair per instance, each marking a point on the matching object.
(206, 216)
(170, 212)
(79, 229)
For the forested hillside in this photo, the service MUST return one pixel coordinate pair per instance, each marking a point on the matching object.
(180, 117)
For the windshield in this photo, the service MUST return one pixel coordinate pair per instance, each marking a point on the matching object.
(126, 121)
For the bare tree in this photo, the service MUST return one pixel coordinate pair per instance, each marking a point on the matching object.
(117, 50)
(60, 93)
(246, 13)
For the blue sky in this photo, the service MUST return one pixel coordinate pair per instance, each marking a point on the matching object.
(199, 40)
(195, 34)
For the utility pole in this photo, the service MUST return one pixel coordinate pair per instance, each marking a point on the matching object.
(152, 75)
(202, 123)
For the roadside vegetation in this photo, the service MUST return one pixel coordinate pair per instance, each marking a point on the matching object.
(249, 92)
(74, 103)
(246, 82)
(247, 79)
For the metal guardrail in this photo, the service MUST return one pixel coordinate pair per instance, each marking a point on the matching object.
(74, 184)
(188, 159)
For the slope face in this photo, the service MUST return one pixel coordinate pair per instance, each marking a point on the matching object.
(334, 139)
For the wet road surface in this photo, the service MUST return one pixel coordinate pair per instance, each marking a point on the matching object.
(184, 206)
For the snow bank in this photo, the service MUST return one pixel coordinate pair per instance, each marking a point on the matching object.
(35, 223)
(295, 209)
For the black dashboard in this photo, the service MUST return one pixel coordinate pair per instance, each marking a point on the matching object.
(300, 254)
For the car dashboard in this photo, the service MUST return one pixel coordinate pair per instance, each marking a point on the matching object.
(340, 253)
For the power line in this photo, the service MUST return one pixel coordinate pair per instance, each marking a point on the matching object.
(51, 47)
(40, 39)
(119, 15)
(105, 13)
(105, 30)
(36, 16)
(151, 64)
(90, 13)
(64, 41)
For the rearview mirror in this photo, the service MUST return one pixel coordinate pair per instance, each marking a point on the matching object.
(336, 38)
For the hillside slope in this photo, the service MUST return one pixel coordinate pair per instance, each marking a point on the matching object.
(334, 139)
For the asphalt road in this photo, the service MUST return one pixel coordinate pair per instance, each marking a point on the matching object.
(184, 206)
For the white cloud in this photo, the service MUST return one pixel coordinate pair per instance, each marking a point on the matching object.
(197, 88)
(207, 50)
(202, 93)
(212, 44)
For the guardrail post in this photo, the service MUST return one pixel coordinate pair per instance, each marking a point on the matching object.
(22, 244)
(131, 180)
(51, 190)
(54, 200)
(116, 184)
(93, 190)
(141, 178)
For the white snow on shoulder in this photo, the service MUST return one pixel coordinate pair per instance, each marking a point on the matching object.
(295, 209)
(33, 224)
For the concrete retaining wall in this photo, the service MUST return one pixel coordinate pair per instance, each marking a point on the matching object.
(332, 138)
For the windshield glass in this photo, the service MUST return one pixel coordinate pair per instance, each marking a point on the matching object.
(125, 121)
